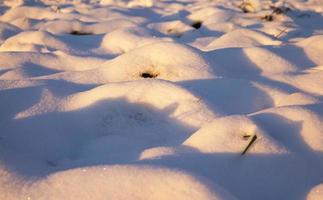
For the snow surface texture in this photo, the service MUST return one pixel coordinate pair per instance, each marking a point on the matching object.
(147, 99)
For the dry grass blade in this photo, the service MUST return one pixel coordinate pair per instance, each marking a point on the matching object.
(253, 139)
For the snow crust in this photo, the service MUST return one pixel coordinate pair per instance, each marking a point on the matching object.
(147, 99)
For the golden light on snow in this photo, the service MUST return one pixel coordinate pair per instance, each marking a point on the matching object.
(161, 99)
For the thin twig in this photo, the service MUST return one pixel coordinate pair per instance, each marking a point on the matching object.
(285, 30)
(253, 139)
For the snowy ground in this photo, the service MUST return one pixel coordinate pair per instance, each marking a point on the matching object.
(143, 99)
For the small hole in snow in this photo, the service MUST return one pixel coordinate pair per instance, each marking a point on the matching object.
(148, 75)
(280, 10)
(197, 25)
(79, 33)
(268, 18)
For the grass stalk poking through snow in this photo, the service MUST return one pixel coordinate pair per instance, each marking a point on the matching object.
(253, 139)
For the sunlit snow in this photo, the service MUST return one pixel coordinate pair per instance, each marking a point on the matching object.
(161, 99)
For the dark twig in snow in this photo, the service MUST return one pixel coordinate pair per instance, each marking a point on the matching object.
(253, 139)
(246, 137)
(283, 31)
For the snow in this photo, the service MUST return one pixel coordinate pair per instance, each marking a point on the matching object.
(158, 60)
(131, 179)
(7, 31)
(316, 193)
(225, 135)
(242, 38)
(147, 99)
(312, 48)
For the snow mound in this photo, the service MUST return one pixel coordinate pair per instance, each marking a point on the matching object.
(268, 62)
(164, 151)
(313, 47)
(316, 193)
(232, 134)
(57, 61)
(73, 26)
(124, 40)
(242, 38)
(307, 82)
(35, 41)
(280, 97)
(116, 122)
(300, 122)
(210, 15)
(7, 30)
(145, 99)
(27, 71)
(119, 182)
(297, 98)
(158, 60)
(157, 152)
(231, 96)
(140, 3)
(180, 103)
(13, 3)
(175, 28)
(23, 12)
